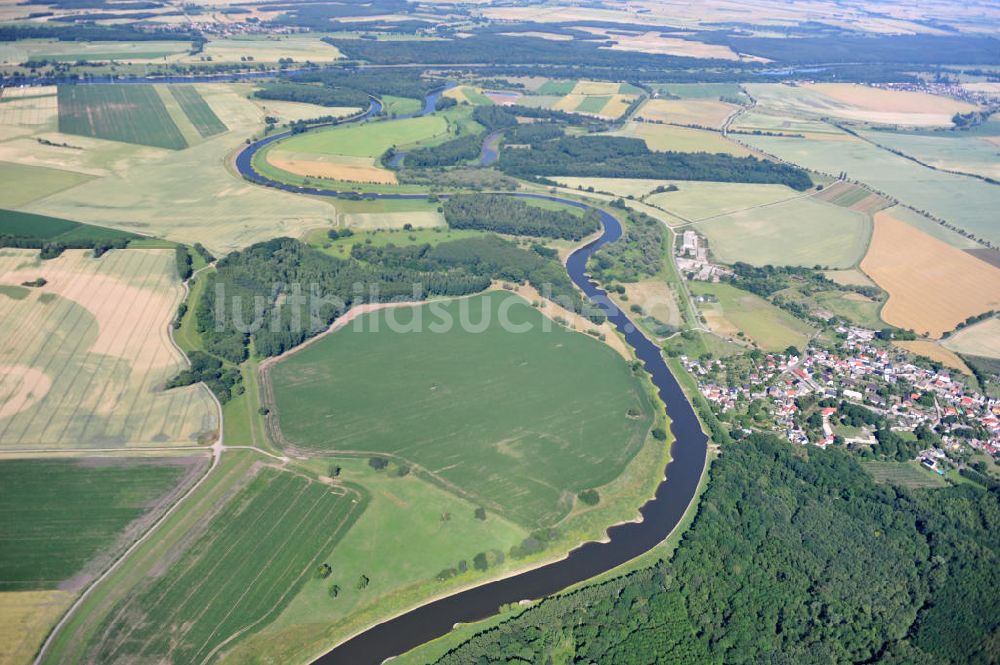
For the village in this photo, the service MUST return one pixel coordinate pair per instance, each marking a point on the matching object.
(848, 394)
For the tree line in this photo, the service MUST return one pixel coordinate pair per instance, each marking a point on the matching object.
(308, 93)
(621, 157)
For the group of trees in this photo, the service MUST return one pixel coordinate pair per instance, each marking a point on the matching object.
(399, 82)
(512, 216)
(483, 258)
(281, 292)
(618, 157)
(792, 557)
(455, 151)
(225, 382)
(638, 254)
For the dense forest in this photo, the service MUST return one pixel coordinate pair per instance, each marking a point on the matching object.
(864, 48)
(620, 157)
(795, 556)
(307, 93)
(637, 255)
(508, 215)
(281, 292)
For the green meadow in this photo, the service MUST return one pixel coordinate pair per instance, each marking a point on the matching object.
(593, 104)
(56, 515)
(516, 421)
(369, 139)
(798, 232)
(52, 229)
(735, 310)
(556, 87)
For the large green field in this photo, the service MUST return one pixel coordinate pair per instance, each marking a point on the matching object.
(799, 232)
(56, 515)
(128, 113)
(197, 110)
(233, 572)
(556, 87)
(964, 201)
(369, 139)
(953, 151)
(519, 422)
(695, 201)
(592, 104)
(24, 225)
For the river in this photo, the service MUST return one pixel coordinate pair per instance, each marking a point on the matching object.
(625, 541)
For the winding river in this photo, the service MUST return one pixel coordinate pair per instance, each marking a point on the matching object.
(624, 541)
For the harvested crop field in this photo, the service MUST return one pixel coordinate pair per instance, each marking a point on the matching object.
(84, 510)
(656, 298)
(935, 352)
(314, 168)
(859, 103)
(655, 42)
(234, 571)
(86, 355)
(847, 195)
(696, 112)
(26, 617)
(370, 221)
(128, 113)
(39, 111)
(627, 187)
(981, 339)
(891, 106)
(681, 139)
(516, 421)
(932, 286)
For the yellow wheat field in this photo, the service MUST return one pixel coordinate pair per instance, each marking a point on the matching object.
(932, 286)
